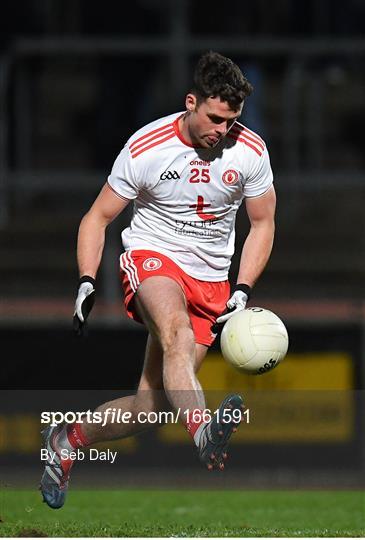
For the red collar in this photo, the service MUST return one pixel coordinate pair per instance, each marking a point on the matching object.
(180, 136)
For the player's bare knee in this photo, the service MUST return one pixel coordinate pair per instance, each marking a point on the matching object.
(177, 340)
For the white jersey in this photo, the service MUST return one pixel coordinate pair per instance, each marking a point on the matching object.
(185, 197)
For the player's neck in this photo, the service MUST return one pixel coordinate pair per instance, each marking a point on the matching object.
(184, 128)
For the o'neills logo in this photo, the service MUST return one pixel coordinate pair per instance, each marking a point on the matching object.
(230, 177)
(152, 264)
(200, 162)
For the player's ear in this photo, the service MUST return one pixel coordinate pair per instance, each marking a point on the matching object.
(190, 102)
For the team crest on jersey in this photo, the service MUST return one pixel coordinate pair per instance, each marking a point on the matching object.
(152, 264)
(230, 177)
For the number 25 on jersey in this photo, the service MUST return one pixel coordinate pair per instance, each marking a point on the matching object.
(199, 176)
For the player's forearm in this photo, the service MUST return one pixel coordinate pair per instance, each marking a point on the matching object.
(90, 245)
(256, 252)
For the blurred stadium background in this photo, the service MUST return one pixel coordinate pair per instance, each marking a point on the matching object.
(76, 80)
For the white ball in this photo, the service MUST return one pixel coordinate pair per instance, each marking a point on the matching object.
(254, 340)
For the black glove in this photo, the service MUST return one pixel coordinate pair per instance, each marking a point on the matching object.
(237, 302)
(83, 305)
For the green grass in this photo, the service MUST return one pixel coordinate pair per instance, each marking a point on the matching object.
(186, 513)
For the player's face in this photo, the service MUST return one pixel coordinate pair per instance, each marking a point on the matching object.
(210, 121)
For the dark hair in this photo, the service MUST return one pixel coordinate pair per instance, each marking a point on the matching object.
(217, 76)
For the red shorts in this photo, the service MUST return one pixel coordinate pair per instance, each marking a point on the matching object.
(205, 300)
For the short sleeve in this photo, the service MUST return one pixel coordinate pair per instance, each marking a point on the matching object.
(122, 177)
(259, 176)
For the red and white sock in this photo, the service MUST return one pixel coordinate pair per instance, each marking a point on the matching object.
(71, 437)
(195, 428)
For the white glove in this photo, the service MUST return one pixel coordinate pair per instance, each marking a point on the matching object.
(236, 303)
(84, 303)
(85, 290)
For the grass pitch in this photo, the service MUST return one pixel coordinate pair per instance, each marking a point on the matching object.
(129, 513)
